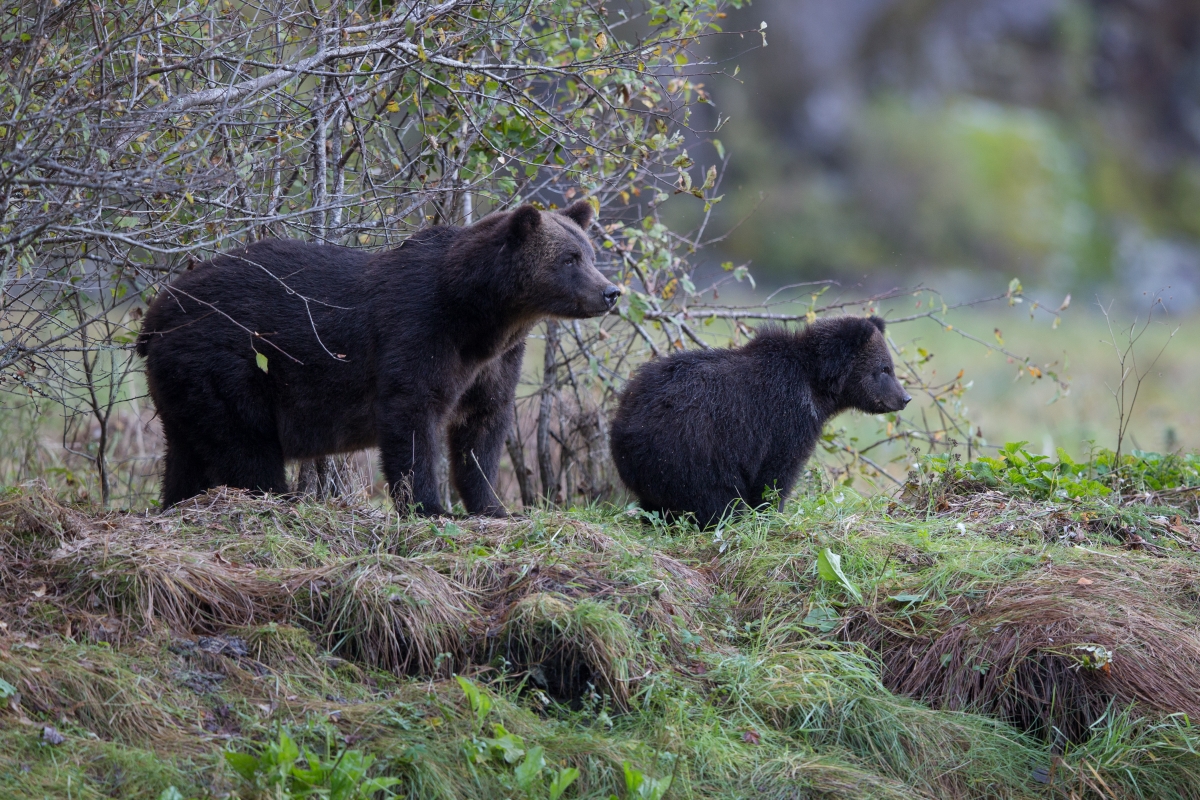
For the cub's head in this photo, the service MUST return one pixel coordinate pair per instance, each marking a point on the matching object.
(556, 264)
(854, 367)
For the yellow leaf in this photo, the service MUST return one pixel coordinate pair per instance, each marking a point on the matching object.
(393, 106)
(601, 41)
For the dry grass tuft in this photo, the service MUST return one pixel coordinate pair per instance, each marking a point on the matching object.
(389, 612)
(99, 693)
(1050, 654)
(152, 581)
(277, 645)
(807, 775)
(570, 649)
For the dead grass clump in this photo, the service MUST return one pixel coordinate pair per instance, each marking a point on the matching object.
(805, 776)
(151, 580)
(506, 535)
(277, 644)
(1049, 655)
(502, 562)
(32, 524)
(570, 649)
(95, 689)
(32, 511)
(389, 612)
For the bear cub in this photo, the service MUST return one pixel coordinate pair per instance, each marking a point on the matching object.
(705, 431)
(289, 350)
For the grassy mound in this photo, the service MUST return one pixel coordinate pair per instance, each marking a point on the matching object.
(975, 638)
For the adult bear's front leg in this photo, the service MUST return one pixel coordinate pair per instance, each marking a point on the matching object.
(408, 444)
(481, 423)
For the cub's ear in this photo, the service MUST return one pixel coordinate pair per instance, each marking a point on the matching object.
(524, 221)
(877, 322)
(580, 212)
(856, 332)
(840, 344)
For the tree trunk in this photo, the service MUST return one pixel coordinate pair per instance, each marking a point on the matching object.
(322, 478)
(549, 383)
(516, 454)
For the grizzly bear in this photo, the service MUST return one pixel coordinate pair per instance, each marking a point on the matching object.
(707, 431)
(289, 350)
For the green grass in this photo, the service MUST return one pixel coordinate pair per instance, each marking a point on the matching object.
(1011, 405)
(645, 657)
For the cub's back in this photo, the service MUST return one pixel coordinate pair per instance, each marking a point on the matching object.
(688, 403)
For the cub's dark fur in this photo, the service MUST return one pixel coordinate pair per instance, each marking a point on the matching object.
(697, 432)
(403, 349)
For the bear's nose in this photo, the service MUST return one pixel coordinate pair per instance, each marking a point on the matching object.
(907, 398)
(611, 293)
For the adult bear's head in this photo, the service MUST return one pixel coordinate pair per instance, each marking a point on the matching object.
(550, 263)
(854, 367)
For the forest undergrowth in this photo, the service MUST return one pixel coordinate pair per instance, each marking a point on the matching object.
(1010, 627)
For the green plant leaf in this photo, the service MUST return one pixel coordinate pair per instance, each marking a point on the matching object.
(823, 619)
(829, 566)
(506, 745)
(530, 768)
(261, 360)
(481, 704)
(7, 690)
(562, 780)
(243, 764)
(633, 778)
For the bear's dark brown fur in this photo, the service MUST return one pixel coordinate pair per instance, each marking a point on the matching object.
(399, 349)
(706, 431)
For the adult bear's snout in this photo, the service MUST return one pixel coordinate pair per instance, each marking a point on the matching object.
(611, 293)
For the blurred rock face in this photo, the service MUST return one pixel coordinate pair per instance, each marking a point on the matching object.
(908, 128)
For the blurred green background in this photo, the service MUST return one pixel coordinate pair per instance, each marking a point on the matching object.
(960, 143)
(1055, 139)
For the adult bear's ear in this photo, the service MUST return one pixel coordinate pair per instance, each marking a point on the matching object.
(877, 322)
(524, 221)
(580, 212)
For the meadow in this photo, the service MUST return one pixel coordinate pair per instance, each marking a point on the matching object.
(1005, 628)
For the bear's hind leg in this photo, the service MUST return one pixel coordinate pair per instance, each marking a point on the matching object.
(483, 420)
(184, 474)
